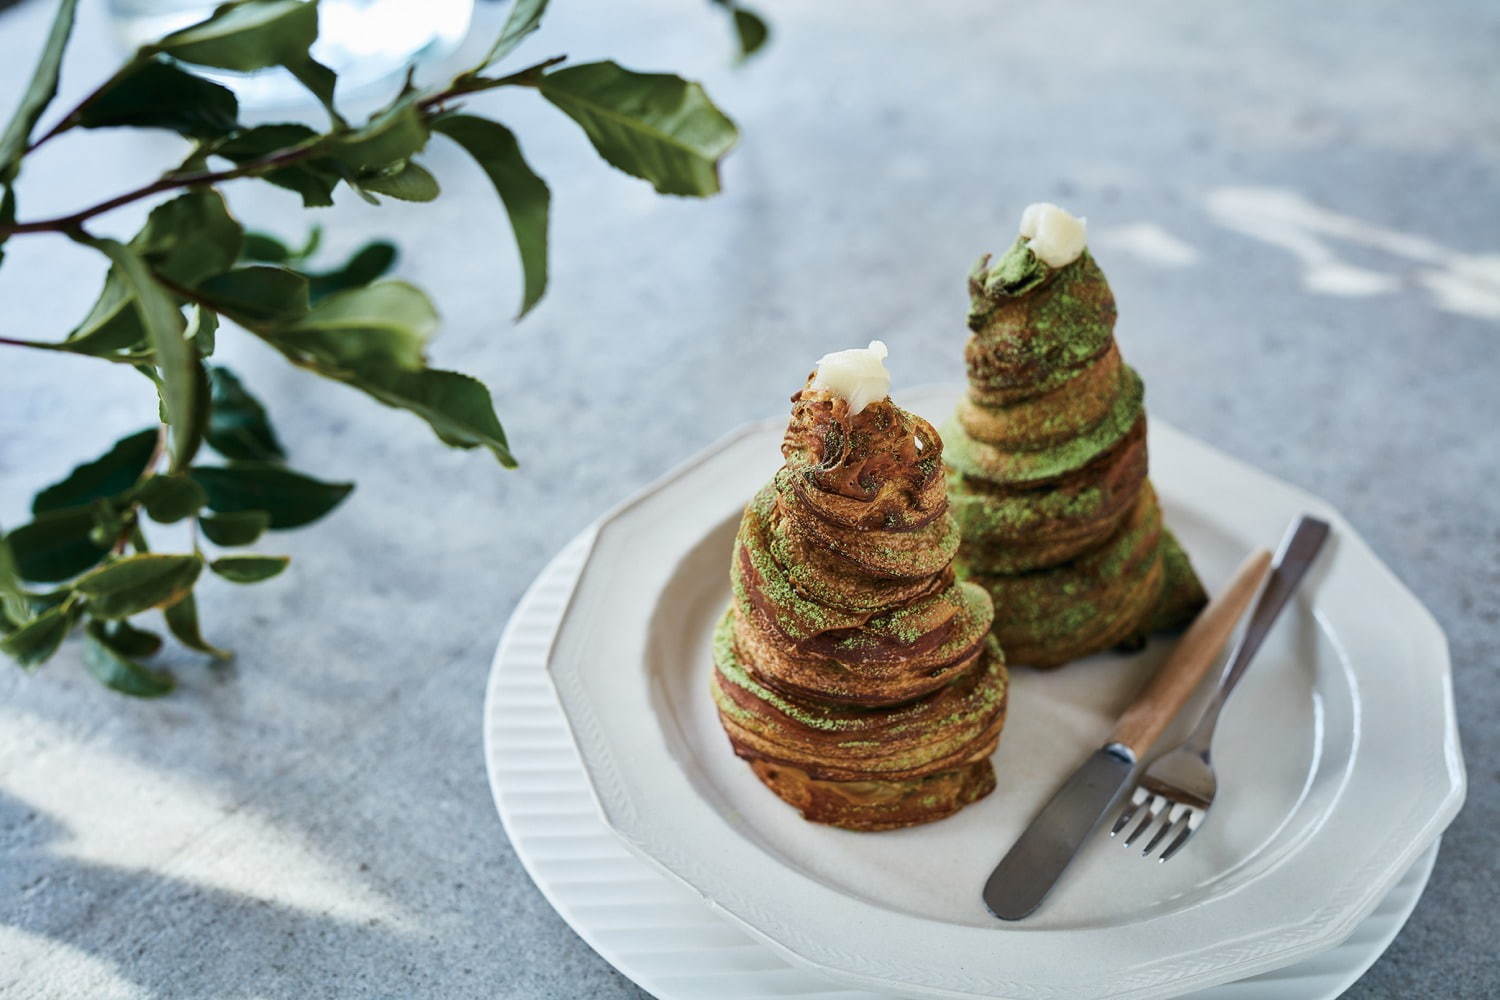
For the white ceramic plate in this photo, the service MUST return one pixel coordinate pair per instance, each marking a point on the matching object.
(658, 932)
(1338, 760)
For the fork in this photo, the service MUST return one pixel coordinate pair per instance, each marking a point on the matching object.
(1178, 787)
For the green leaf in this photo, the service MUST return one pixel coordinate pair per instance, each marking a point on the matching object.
(320, 82)
(38, 639)
(524, 18)
(388, 138)
(133, 584)
(368, 263)
(524, 194)
(653, 125)
(235, 529)
(132, 641)
(157, 94)
(118, 671)
(38, 94)
(265, 248)
(248, 569)
(289, 499)
(190, 237)
(238, 426)
(257, 294)
(169, 499)
(113, 324)
(203, 330)
(457, 407)
(181, 372)
(55, 545)
(751, 30)
(182, 619)
(411, 183)
(7, 213)
(246, 36)
(14, 601)
(114, 472)
(385, 325)
(311, 179)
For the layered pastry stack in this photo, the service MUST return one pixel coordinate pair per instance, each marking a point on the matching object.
(852, 670)
(860, 677)
(1047, 459)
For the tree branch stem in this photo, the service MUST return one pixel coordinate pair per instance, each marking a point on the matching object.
(528, 77)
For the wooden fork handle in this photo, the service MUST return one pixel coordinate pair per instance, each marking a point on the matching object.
(1168, 690)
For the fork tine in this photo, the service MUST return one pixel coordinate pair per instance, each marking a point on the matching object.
(1137, 799)
(1169, 823)
(1153, 810)
(1194, 817)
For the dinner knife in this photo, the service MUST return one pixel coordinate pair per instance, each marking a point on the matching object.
(1037, 859)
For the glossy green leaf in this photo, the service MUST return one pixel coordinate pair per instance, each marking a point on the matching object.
(379, 326)
(110, 474)
(118, 671)
(56, 545)
(311, 179)
(257, 294)
(390, 137)
(456, 406)
(190, 237)
(248, 569)
(38, 93)
(238, 426)
(235, 529)
(176, 360)
(169, 499)
(137, 583)
(288, 498)
(525, 17)
(656, 126)
(367, 263)
(524, 194)
(247, 35)
(157, 94)
(182, 620)
(131, 641)
(37, 639)
(411, 183)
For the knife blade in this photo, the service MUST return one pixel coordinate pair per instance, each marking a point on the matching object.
(1031, 867)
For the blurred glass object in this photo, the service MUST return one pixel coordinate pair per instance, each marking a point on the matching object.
(366, 42)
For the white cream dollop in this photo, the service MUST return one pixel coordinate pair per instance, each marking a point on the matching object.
(857, 374)
(1053, 234)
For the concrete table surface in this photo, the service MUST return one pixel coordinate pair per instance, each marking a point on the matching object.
(1297, 209)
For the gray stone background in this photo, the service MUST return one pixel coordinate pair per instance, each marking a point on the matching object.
(314, 820)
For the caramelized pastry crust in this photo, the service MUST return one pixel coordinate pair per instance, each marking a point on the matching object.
(1047, 469)
(853, 669)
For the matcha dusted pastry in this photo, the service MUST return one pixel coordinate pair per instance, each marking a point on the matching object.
(1046, 459)
(852, 670)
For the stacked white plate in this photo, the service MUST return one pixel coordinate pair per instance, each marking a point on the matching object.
(1338, 757)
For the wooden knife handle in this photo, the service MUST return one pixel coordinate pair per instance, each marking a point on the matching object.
(1168, 690)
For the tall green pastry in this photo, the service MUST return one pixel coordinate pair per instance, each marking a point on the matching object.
(1046, 458)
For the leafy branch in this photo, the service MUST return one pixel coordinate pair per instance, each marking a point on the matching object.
(194, 270)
